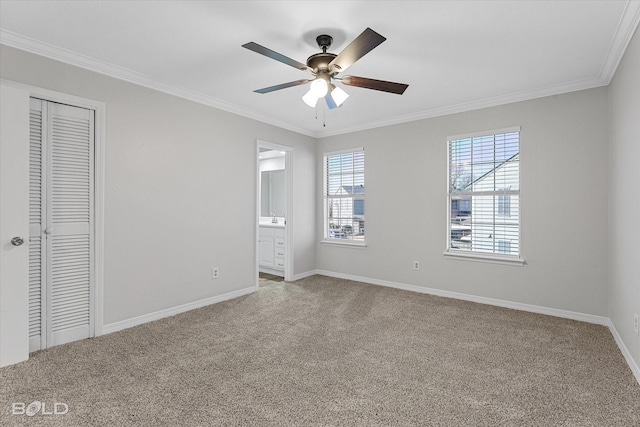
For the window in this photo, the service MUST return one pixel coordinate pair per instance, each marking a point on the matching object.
(484, 194)
(344, 195)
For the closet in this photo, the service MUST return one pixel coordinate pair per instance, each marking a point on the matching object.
(61, 236)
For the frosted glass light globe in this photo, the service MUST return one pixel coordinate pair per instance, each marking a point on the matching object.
(310, 99)
(319, 87)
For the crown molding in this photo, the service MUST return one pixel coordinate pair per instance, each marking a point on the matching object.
(37, 47)
(474, 105)
(627, 26)
(629, 22)
(624, 33)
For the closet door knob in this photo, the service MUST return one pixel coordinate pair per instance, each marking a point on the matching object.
(17, 241)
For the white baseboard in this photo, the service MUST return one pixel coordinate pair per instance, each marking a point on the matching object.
(589, 318)
(172, 311)
(304, 275)
(625, 351)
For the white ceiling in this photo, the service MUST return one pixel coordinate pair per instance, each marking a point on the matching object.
(455, 55)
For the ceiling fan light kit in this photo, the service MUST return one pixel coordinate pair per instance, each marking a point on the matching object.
(325, 66)
(319, 87)
(310, 98)
(338, 95)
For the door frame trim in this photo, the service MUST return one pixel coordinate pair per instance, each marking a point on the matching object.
(99, 109)
(289, 219)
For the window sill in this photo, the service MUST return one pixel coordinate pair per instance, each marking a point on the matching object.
(346, 243)
(478, 257)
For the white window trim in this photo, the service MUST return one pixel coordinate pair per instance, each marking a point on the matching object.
(349, 150)
(493, 258)
(480, 257)
(484, 133)
(344, 243)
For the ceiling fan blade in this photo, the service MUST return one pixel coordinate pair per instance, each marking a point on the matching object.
(358, 48)
(380, 85)
(282, 86)
(275, 55)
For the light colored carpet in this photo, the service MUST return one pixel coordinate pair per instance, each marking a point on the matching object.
(323, 351)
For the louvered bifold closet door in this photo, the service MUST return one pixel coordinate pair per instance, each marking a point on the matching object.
(62, 227)
(70, 213)
(37, 201)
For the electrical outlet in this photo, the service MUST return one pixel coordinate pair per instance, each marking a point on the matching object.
(216, 273)
(635, 324)
(416, 265)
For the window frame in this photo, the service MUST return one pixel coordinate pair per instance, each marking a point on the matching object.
(333, 241)
(470, 255)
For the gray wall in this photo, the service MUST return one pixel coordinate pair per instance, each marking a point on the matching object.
(564, 195)
(624, 283)
(171, 211)
(179, 190)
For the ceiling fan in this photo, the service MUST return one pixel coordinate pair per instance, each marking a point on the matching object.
(326, 66)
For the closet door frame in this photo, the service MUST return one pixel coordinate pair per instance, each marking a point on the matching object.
(98, 212)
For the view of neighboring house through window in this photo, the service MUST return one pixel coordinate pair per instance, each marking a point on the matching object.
(504, 204)
(344, 195)
(484, 193)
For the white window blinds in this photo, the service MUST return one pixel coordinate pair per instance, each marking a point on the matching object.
(484, 193)
(344, 195)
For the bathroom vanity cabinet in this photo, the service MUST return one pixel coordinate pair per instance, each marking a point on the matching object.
(272, 250)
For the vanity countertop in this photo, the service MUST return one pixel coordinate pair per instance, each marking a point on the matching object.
(271, 224)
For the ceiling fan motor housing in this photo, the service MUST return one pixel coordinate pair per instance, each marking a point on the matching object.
(320, 61)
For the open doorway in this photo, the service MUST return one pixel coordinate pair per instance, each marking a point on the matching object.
(274, 248)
